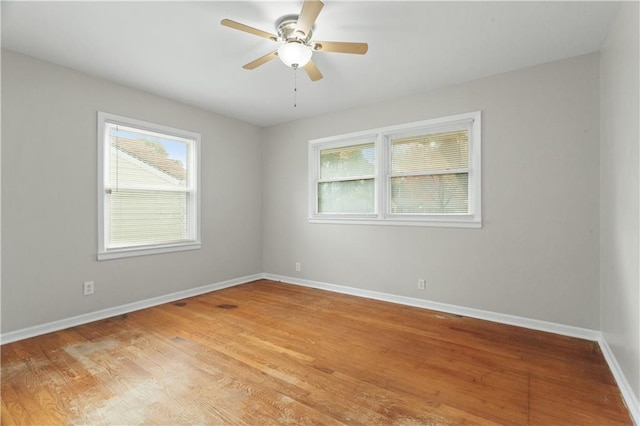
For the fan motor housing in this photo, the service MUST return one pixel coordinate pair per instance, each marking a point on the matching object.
(286, 28)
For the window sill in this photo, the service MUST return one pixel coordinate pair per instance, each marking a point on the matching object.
(438, 223)
(137, 251)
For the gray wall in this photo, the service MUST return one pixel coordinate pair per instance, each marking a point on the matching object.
(537, 255)
(619, 185)
(49, 217)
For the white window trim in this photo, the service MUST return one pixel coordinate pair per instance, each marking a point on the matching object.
(381, 136)
(103, 151)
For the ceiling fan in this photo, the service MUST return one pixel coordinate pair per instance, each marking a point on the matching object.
(295, 31)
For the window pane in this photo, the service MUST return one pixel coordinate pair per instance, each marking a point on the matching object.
(147, 161)
(349, 161)
(356, 196)
(148, 217)
(432, 194)
(432, 152)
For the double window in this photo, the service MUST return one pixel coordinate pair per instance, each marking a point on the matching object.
(423, 173)
(148, 188)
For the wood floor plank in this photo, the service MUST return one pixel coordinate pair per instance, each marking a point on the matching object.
(12, 408)
(272, 353)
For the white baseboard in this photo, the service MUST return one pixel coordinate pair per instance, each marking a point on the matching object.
(625, 388)
(562, 329)
(566, 330)
(38, 330)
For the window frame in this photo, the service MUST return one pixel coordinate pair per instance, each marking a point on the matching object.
(382, 138)
(104, 252)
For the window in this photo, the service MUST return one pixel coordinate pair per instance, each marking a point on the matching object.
(148, 183)
(425, 173)
(346, 182)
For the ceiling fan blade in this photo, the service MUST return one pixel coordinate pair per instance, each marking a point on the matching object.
(308, 15)
(340, 47)
(247, 29)
(312, 71)
(261, 60)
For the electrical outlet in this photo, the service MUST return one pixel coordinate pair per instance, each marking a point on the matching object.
(421, 285)
(298, 267)
(88, 288)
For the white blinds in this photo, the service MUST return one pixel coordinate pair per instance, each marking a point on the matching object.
(148, 188)
(430, 173)
(432, 152)
(347, 179)
(148, 218)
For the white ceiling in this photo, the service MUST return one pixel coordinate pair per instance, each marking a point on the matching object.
(179, 49)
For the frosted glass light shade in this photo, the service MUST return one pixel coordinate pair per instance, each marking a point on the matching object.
(294, 54)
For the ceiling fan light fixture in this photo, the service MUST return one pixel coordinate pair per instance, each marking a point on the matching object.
(294, 54)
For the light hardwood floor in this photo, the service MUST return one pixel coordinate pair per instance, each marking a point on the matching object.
(271, 353)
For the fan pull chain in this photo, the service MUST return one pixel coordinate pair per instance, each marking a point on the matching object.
(295, 87)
